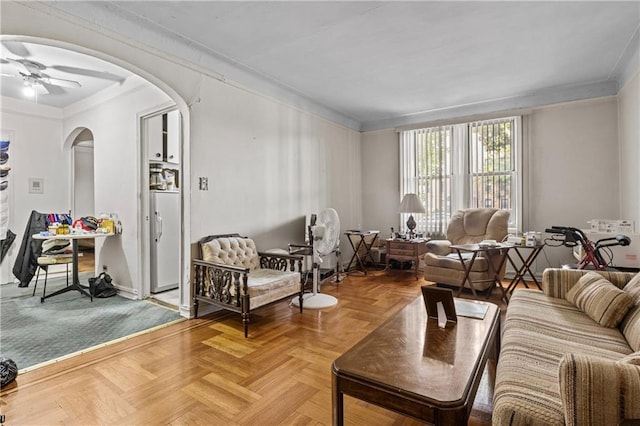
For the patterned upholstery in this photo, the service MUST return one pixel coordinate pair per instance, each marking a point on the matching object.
(558, 366)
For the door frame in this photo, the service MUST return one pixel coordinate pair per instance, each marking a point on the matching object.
(144, 215)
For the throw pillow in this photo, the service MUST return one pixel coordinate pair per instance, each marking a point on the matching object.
(633, 358)
(630, 327)
(633, 289)
(602, 301)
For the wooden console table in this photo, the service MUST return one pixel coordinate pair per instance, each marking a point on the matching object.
(412, 366)
(406, 250)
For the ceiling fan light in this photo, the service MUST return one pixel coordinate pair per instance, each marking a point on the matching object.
(29, 91)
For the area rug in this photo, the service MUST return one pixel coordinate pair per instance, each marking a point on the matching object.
(32, 333)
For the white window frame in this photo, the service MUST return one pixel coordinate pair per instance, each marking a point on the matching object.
(461, 178)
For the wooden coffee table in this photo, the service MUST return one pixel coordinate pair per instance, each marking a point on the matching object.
(411, 366)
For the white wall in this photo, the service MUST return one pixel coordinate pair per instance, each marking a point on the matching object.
(114, 123)
(570, 164)
(572, 156)
(268, 166)
(35, 152)
(629, 119)
(381, 181)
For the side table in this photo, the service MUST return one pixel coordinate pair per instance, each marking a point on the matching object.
(526, 266)
(364, 240)
(500, 250)
(406, 250)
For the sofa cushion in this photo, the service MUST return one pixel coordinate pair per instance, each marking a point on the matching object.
(633, 289)
(630, 327)
(602, 301)
(452, 261)
(234, 251)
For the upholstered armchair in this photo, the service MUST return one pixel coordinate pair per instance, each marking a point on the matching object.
(467, 226)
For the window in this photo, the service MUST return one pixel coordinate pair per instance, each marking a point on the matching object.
(458, 166)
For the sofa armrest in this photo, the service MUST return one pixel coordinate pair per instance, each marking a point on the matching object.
(279, 261)
(214, 280)
(598, 391)
(439, 247)
(556, 282)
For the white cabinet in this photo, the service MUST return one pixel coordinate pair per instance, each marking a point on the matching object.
(155, 138)
(163, 132)
(173, 137)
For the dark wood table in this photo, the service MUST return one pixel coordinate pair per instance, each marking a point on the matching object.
(406, 250)
(361, 243)
(525, 266)
(498, 252)
(411, 366)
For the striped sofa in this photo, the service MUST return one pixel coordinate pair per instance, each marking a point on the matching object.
(559, 366)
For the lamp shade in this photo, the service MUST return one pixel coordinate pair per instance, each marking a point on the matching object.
(411, 204)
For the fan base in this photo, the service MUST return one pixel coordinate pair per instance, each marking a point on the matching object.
(315, 301)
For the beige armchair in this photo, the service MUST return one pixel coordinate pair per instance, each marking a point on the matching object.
(467, 226)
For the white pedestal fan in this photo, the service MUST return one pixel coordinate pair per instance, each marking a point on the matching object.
(325, 238)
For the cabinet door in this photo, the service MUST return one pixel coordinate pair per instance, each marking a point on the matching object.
(173, 137)
(154, 138)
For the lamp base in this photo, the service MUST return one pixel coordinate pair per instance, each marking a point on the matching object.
(411, 225)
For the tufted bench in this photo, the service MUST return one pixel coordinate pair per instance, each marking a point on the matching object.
(233, 275)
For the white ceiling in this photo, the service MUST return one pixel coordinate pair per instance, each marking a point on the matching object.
(385, 61)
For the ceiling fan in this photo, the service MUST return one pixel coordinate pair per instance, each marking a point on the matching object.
(30, 72)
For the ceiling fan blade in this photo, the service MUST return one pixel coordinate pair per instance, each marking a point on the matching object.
(17, 48)
(60, 82)
(86, 72)
(53, 90)
(19, 65)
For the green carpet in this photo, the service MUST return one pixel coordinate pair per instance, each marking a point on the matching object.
(32, 332)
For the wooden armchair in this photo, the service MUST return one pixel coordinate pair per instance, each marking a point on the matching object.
(233, 275)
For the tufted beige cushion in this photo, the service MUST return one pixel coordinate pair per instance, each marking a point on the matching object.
(233, 251)
(602, 301)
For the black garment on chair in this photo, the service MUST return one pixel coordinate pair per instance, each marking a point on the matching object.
(6, 244)
(27, 260)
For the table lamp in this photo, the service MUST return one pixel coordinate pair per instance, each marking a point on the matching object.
(411, 204)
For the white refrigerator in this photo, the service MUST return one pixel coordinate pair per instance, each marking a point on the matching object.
(165, 240)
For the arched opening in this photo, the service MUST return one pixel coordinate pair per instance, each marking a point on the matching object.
(83, 192)
(121, 173)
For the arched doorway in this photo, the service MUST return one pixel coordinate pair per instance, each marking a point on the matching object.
(130, 253)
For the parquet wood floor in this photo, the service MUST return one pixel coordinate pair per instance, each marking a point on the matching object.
(204, 372)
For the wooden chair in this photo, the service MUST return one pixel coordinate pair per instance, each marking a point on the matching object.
(233, 275)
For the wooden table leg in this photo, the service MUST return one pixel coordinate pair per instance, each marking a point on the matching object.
(467, 271)
(337, 401)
